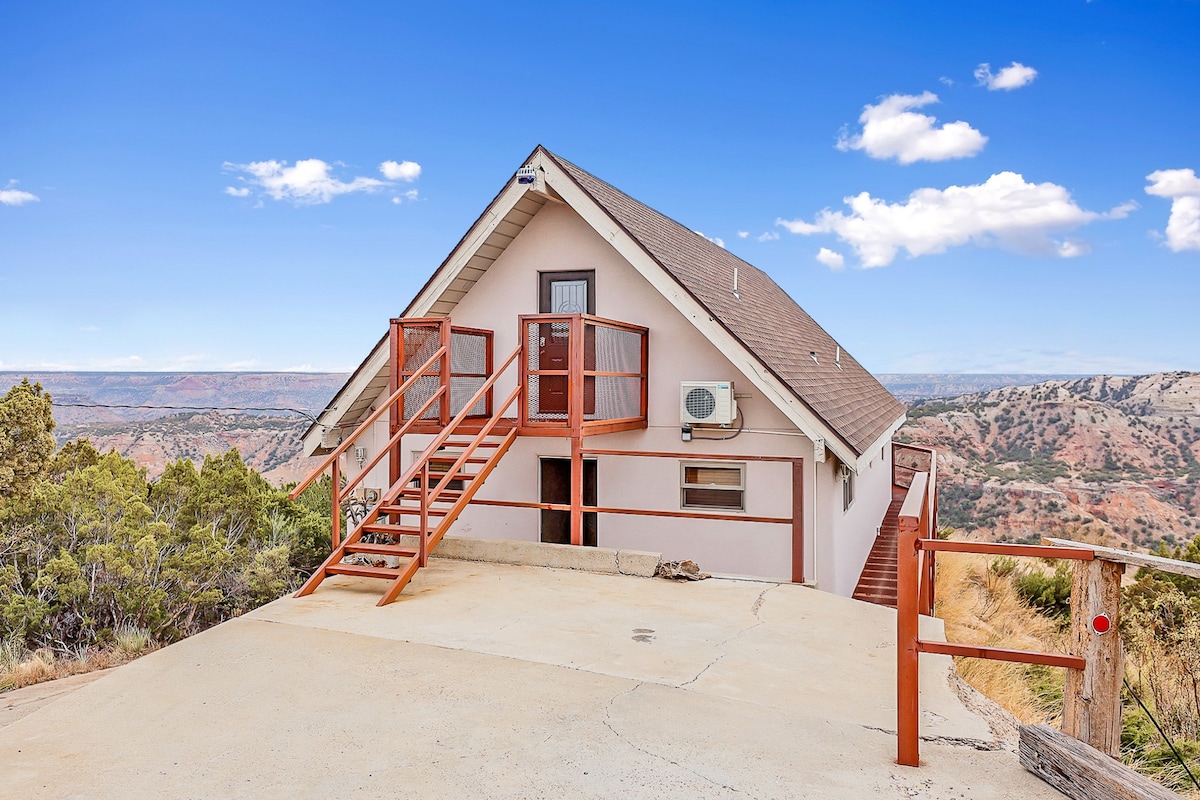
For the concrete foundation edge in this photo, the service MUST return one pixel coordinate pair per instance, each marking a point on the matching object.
(558, 556)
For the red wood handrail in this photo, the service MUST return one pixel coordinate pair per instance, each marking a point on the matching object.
(448, 431)
(915, 552)
(392, 442)
(479, 437)
(376, 414)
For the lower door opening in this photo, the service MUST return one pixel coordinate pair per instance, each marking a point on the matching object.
(555, 481)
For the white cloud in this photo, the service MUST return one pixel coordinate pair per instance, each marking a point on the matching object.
(307, 182)
(769, 236)
(1173, 183)
(1005, 210)
(1183, 187)
(1014, 76)
(891, 129)
(407, 171)
(235, 192)
(1070, 248)
(717, 240)
(743, 234)
(831, 259)
(10, 196)
(946, 81)
(411, 195)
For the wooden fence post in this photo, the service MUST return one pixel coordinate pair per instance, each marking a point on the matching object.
(1092, 700)
(908, 689)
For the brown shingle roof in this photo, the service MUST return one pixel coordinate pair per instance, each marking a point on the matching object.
(766, 320)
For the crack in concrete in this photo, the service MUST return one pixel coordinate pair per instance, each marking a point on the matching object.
(952, 741)
(701, 672)
(758, 602)
(608, 724)
(755, 606)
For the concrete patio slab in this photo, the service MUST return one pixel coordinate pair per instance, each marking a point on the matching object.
(489, 680)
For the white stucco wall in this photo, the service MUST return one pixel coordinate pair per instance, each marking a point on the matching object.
(836, 542)
(851, 532)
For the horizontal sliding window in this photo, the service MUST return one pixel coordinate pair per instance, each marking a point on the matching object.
(719, 486)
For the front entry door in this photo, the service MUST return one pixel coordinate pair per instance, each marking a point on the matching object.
(556, 488)
(562, 293)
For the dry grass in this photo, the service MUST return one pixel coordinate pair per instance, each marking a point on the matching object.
(20, 667)
(977, 602)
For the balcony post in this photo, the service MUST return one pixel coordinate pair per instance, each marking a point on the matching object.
(908, 709)
(396, 411)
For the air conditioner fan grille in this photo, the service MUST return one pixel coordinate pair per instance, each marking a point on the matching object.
(700, 403)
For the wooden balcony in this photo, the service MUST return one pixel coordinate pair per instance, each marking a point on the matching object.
(579, 375)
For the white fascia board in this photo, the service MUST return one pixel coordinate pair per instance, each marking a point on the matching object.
(371, 368)
(885, 438)
(483, 228)
(771, 387)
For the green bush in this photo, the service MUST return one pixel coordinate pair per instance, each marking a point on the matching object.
(96, 555)
(1050, 593)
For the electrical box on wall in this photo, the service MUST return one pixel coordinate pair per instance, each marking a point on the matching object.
(366, 495)
(707, 403)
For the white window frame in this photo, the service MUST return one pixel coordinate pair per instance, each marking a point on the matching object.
(740, 466)
(847, 489)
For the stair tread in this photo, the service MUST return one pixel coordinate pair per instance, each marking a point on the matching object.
(446, 496)
(363, 571)
(405, 501)
(383, 527)
(433, 512)
(380, 549)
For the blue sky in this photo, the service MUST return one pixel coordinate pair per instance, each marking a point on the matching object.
(933, 215)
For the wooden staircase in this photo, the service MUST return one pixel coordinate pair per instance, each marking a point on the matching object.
(396, 536)
(877, 583)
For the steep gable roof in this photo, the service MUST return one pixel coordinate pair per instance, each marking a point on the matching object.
(840, 398)
(766, 320)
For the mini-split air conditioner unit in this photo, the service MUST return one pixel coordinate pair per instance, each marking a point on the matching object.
(707, 403)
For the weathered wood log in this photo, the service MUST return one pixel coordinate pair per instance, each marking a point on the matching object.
(1092, 697)
(1082, 772)
(1172, 565)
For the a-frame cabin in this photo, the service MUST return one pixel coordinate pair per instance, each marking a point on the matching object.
(583, 369)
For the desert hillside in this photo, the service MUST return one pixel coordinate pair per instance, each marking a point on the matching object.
(269, 444)
(1113, 459)
(182, 421)
(87, 397)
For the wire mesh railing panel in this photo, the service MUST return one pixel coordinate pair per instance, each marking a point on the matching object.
(462, 388)
(422, 389)
(546, 399)
(468, 353)
(420, 342)
(615, 397)
(612, 349)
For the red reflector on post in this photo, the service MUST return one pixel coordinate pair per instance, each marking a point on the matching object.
(1101, 623)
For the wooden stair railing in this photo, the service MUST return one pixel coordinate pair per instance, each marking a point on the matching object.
(392, 506)
(331, 461)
